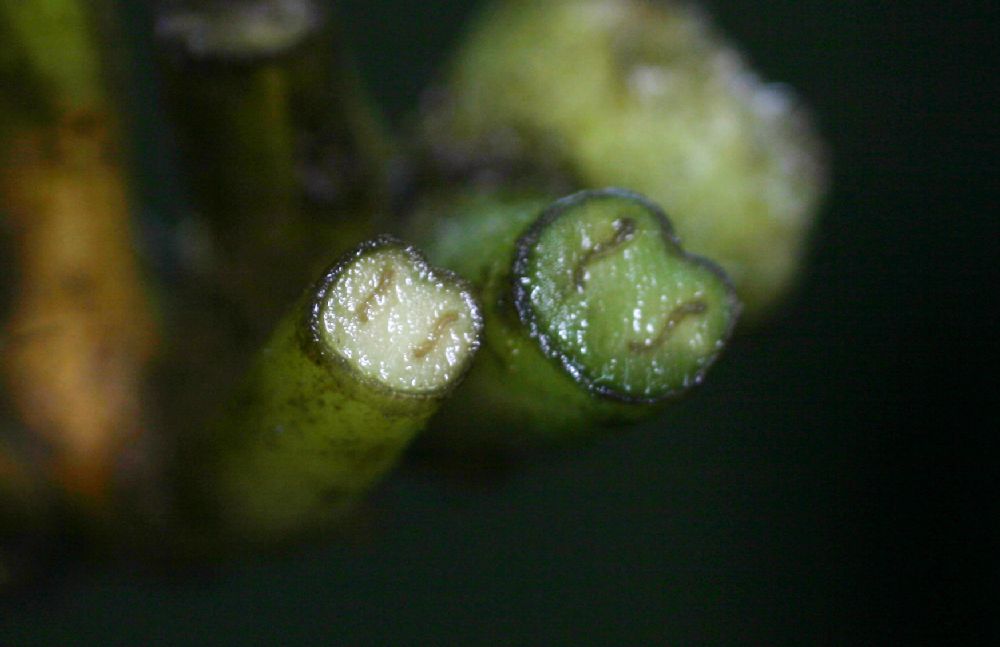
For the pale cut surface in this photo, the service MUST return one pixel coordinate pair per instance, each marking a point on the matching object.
(397, 323)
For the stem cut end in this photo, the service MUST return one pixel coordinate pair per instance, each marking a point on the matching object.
(605, 288)
(398, 322)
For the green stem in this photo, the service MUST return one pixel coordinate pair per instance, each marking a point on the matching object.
(346, 380)
(594, 316)
(283, 151)
(50, 61)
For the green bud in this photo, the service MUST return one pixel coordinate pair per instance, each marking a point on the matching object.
(646, 96)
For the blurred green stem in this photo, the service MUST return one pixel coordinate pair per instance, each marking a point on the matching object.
(26, 511)
(349, 376)
(283, 152)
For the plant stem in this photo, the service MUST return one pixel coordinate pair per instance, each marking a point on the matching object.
(594, 317)
(347, 379)
(283, 152)
(80, 332)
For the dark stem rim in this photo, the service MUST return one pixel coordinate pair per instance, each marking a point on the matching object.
(550, 348)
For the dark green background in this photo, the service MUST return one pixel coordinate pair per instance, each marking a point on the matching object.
(820, 489)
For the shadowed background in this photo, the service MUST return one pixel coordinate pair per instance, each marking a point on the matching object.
(816, 490)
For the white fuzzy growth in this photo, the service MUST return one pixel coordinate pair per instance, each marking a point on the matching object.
(394, 323)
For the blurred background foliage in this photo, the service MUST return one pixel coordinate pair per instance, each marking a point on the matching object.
(817, 490)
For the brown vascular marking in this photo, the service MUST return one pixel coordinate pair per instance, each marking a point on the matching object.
(624, 232)
(674, 319)
(435, 335)
(366, 308)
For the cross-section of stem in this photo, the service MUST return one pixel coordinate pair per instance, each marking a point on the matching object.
(594, 316)
(346, 380)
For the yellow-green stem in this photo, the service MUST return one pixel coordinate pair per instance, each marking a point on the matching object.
(281, 149)
(345, 381)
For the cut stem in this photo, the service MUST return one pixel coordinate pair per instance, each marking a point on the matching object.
(346, 380)
(594, 317)
(645, 321)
